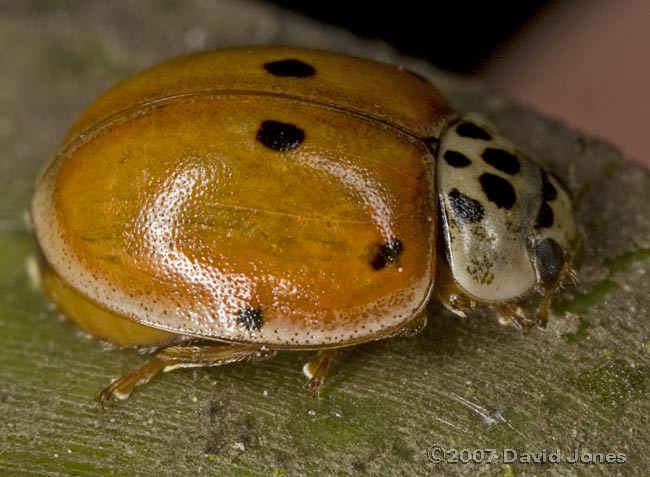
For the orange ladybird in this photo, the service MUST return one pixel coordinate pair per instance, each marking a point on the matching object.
(230, 204)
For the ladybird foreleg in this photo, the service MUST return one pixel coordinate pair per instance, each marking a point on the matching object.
(122, 387)
(511, 313)
(544, 307)
(568, 274)
(316, 370)
(180, 357)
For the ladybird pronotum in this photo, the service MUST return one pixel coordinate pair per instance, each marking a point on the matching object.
(230, 204)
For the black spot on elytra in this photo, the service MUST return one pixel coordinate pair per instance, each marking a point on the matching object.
(544, 216)
(472, 131)
(549, 192)
(465, 209)
(456, 159)
(498, 190)
(501, 160)
(388, 253)
(549, 259)
(251, 318)
(280, 136)
(290, 67)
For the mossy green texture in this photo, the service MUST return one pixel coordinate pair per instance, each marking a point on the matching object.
(627, 259)
(583, 302)
(613, 382)
(580, 334)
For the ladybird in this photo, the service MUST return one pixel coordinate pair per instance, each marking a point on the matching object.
(227, 205)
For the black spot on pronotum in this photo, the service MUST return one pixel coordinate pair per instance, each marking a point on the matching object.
(280, 136)
(465, 209)
(251, 318)
(549, 259)
(388, 253)
(549, 192)
(545, 216)
(498, 190)
(290, 67)
(501, 160)
(456, 159)
(472, 131)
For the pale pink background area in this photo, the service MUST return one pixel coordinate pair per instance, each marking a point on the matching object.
(587, 63)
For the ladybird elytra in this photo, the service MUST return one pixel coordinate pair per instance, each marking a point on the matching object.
(276, 198)
(96, 320)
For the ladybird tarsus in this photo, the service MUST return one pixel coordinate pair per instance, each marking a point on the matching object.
(512, 314)
(316, 370)
(122, 387)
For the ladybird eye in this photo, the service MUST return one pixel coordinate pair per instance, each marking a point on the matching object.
(549, 259)
(388, 253)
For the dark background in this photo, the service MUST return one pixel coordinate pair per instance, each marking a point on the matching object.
(458, 36)
(582, 62)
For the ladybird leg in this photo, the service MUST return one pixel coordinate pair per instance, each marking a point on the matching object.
(180, 357)
(567, 274)
(513, 314)
(120, 388)
(316, 370)
(544, 307)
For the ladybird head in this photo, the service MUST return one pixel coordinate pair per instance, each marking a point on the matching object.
(508, 225)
